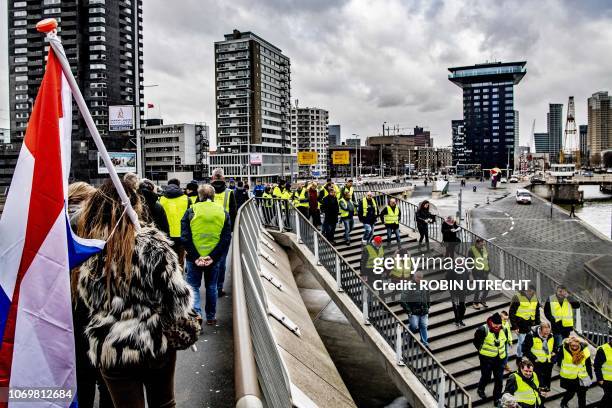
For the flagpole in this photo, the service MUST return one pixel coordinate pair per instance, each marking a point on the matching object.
(49, 27)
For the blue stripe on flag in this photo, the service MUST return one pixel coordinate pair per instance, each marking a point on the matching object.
(79, 249)
(5, 305)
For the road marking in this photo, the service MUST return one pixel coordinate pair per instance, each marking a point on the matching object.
(504, 233)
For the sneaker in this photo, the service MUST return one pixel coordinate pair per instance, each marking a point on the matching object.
(212, 322)
(481, 394)
(462, 324)
(221, 293)
(484, 304)
(476, 306)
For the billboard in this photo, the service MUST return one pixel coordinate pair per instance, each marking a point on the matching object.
(124, 162)
(120, 117)
(340, 157)
(305, 158)
(256, 159)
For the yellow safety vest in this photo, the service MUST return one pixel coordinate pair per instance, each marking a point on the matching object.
(349, 189)
(399, 272)
(562, 312)
(508, 331)
(484, 256)
(276, 192)
(299, 196)
(524, 394)
(286, 194)
(571, 371)
(538, 349)
(489, 349)
(267, 200)
(193, 199)
(364, 205)
(343, 213)
(175, 209)
(606, 368)
(206, 226)
(527, 307)
(392, 216)
(223, 199)
(372, 254)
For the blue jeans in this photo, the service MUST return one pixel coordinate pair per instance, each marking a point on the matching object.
(393, 231)
(221, 274)
(194, 279)
(348, 227)
(420, 322)
(519, 347)
(367, 232)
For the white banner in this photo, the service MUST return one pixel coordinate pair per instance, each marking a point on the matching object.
(124, 162)
(120, 118)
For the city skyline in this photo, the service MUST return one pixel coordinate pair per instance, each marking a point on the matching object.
(333, 66)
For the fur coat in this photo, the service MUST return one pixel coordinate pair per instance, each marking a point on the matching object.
(126, 329)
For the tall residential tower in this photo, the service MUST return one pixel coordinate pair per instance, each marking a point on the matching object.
(253, 89)
(103, 43)
(310, 129)
(488, 111)
(599, 131)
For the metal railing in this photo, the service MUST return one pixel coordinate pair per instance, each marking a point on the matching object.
(255, 349)
(381, 186)
(589, 322)
(409, 351)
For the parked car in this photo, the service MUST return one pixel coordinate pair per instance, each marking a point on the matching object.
(503, 180)
(537, 180)
(513, 179)
(523, 196)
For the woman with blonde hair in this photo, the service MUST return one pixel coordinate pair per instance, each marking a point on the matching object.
(576, 371)
(133, 289)
(78, 193)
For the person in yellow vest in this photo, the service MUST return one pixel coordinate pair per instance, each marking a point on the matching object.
(348, 187)
(206, 234)
(227, 199)
(603, 371)
(347, 214)
(416, 303)
(390, 216)
(325, 189)
(490, 341)
(300, 200)
(367, 213)
(191, 190)
(524, 385)
(524, 314)
(576, 370)
(540, 348)
(559, 310)
(278, 189)
(267, 204)
(480, 255)
(507, 328)
(175, 204)
(369, 253)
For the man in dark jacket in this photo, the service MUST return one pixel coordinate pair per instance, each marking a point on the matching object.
(526, 386)
(603, 371)
(154, 212)
(331, 210)
(367, 213)
(347, 212)
(390, 216)
(540, 348)
(490, 341)
(227, 199)
(524, 314)
(242, 195)
(416, 303)
(206, 234)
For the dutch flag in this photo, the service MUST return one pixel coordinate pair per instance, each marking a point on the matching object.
(37, 251)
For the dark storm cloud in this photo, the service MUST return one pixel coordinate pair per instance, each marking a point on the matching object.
(370, 61)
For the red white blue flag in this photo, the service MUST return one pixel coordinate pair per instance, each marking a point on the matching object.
(37, 250)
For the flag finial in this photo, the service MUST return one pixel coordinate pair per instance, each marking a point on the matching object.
(47, 25)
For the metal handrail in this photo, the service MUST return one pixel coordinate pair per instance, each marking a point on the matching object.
(381, 186)
(408, 349)
(590, 322)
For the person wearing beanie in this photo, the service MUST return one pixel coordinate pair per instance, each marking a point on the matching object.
(524, 314)
(192, 191)
(490, 341)
(369, 253)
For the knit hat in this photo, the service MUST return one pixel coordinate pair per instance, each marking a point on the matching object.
(496, 319)
(192, 185)
(377, 240)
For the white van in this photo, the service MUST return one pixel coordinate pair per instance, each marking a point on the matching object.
(523, 196)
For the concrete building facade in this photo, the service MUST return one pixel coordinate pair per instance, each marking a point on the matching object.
(542, 143)
(309, 127)
(253, 89)
(554, 127)
(459, 154)
(176, 151)
(103, 43)
(599, 132)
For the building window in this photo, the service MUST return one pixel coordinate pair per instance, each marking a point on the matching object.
(21, 32)
(98, 47)
(97, 20)
(21, 78)
(52, 11)
(21, 97)
(21, 41)
(96, 10)
(19, 23)
(97, 29)
(21, 88)
(21, 69)
(97, 66)
(49, 2)
(21, 13)
(20, 4)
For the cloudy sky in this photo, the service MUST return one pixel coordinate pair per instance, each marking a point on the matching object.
(369, 61)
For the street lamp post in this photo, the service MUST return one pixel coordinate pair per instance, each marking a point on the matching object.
(140, 160)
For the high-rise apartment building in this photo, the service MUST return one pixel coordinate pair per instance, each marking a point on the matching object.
(176, 151)
(310, 131)
(335, 137)
(488, 111)
(542, 142)
(554, 126)
(583, 131)
(253, 89)
(103, 43)
(600, 123)
(458, 142)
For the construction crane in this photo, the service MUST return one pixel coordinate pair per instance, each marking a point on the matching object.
(571, 146)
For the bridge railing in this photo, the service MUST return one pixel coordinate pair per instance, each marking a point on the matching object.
(409, 351)
(381, 186)
(589, 322)
(258, 365)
